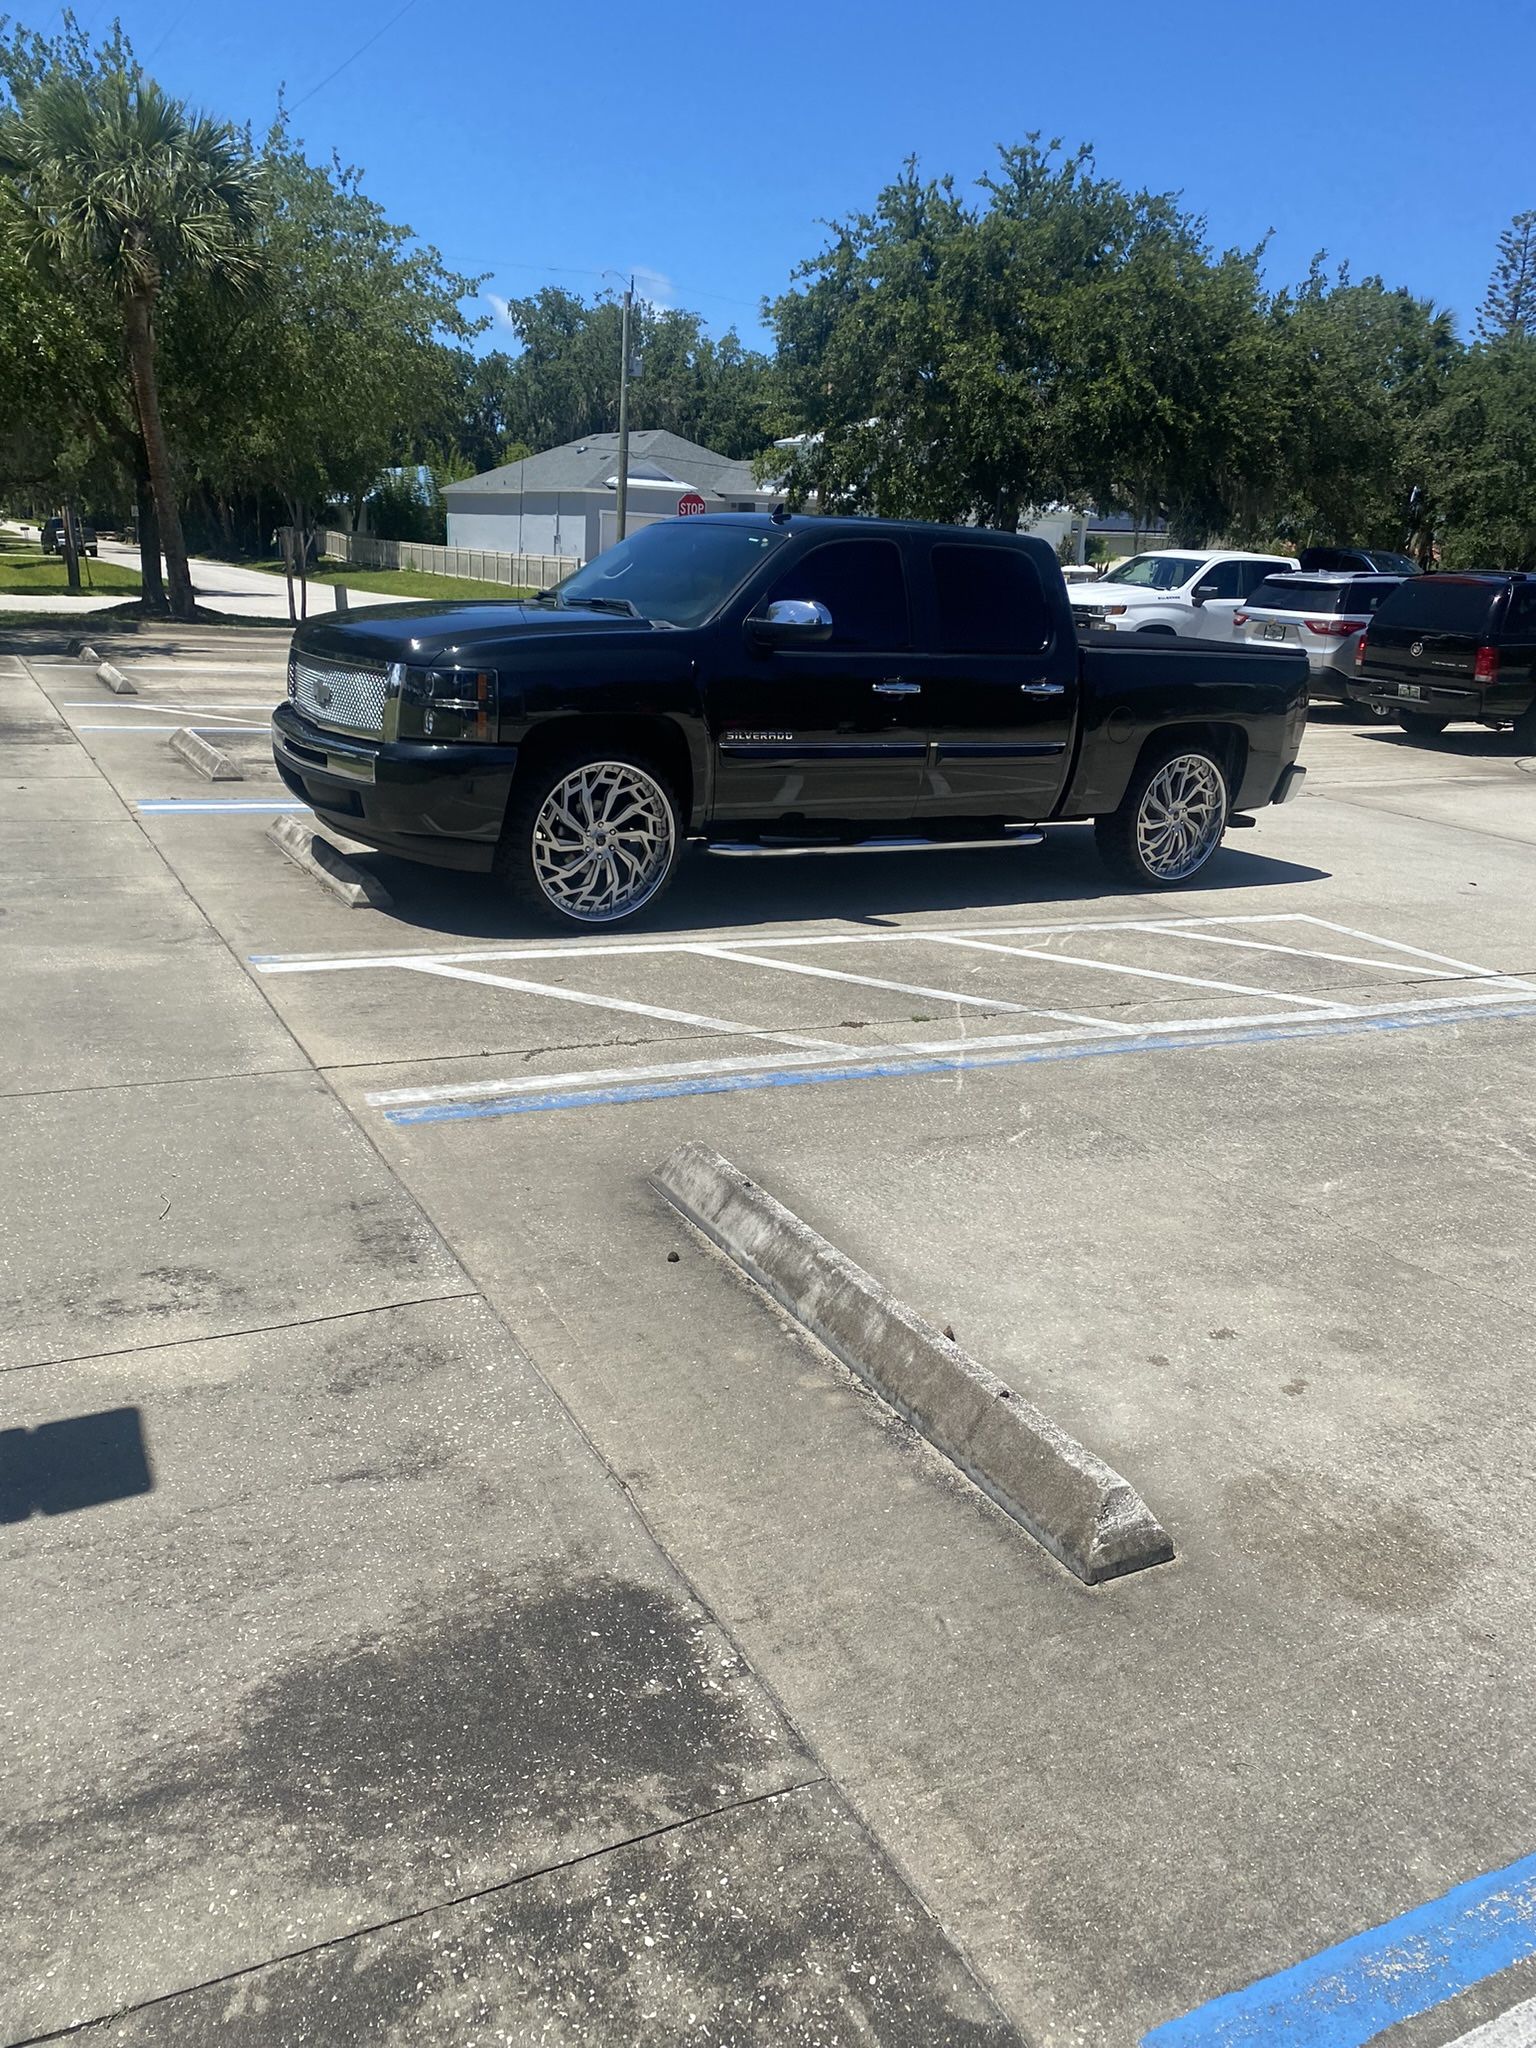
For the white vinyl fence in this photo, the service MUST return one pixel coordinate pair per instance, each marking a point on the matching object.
(520, 572)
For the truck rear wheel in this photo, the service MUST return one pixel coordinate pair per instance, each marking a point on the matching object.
(1171, 819)
(592, 838)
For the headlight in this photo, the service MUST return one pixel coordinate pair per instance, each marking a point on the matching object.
(445, 703)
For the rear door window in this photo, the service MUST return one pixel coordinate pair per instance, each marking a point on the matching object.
(1520, 618)
(990, 601)
(1440, 604)
(864, 587)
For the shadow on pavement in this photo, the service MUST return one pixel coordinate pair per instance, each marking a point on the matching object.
(1467, 743)
(712, 891)
(80, 1462)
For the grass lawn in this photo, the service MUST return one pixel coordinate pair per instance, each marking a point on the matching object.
(25, 571)
(402, 582)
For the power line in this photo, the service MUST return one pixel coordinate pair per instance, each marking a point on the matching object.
(368, 45)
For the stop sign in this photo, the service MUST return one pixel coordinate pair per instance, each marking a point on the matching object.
(688, 503)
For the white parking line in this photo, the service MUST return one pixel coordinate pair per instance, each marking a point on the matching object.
(713, 1025)
(1513, 2029)
(1430, 1008)
(1418, 952)
(1311, 953)
(901, 988)
(161, 710)
(1318, 1005)
(624, 949)
(155, 732)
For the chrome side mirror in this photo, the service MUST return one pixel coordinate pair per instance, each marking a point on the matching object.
(791, 622)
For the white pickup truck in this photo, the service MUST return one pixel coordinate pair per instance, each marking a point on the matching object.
(1179, 590)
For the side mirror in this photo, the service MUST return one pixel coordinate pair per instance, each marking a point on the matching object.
(790, 622)
(1202, 591)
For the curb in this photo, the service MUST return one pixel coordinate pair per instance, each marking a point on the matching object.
(204, 756)
(107, 672)
(327, 865)
(1084, 1513)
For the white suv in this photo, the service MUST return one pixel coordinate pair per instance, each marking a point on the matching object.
(1175, 591)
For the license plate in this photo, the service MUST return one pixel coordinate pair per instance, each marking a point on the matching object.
(1409, 690)
(1274, 632)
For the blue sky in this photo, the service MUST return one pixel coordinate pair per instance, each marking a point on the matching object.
(701, 144)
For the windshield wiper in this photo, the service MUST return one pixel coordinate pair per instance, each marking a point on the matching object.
(621, 605)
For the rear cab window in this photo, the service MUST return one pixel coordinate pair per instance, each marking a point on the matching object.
(989, 601)
(1458, 605)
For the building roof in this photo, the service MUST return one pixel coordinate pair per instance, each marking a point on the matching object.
(655, 457)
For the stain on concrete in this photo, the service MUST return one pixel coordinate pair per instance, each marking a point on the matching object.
(1381, 1553)
(448, 1751)
(776, 1924)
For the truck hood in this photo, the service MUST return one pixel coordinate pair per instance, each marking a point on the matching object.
(456, 635)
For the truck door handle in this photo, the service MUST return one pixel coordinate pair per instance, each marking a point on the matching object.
(893, 686)
(1044, 689)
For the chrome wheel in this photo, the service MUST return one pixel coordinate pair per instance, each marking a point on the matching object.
(1181, 817)
(603, 841)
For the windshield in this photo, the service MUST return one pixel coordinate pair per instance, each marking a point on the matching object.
(676, 573)
(1155, 572)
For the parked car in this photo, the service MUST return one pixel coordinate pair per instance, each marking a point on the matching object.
(1322, 614)
(768, 683)
(51, 536)
(1358, 562)
(1080, 572)
(1175, 591)
(1448, 647)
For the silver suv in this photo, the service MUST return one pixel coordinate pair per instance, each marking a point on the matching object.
(1323, 614)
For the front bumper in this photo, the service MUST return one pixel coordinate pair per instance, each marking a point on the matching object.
(442, 804)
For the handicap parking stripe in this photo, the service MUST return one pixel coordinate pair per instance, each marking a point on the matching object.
(899, 1068)
(1349, 1994)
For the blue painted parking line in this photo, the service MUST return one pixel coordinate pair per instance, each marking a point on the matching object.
(1351, 1993)
(162, 807)
(953, 1063)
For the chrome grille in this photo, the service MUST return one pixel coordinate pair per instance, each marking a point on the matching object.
(332, 693)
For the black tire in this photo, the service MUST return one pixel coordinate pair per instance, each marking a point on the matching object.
(1123, 835)
(1525, 730)
(1422, 725)
(541, 863)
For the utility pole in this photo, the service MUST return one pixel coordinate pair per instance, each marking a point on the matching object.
(623, 507)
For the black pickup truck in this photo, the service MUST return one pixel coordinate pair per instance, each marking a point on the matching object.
(766, 684)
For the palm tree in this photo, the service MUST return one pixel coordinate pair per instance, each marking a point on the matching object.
(111, 184)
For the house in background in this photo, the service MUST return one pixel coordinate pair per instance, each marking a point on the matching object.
(564, 502)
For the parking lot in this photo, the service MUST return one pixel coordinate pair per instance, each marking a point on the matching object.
(351, 1207)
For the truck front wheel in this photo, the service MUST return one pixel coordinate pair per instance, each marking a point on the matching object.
(1171, 819)
(592, 838)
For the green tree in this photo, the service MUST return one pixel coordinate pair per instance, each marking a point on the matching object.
(1479, 445)
(1061, 339)
(347, 369)
(1510, 304)
(114, 187)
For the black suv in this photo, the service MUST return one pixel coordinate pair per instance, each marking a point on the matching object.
(52, 538)
(1356, 562)
(1451, 647)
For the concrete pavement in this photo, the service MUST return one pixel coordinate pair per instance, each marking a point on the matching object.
(1225, 1205)
(348, 1697)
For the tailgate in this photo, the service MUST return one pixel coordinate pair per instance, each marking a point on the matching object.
(1435, 642)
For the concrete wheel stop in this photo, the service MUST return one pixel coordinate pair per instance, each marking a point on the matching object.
(209, 761)
(1089, 1518)
(328, 865)
(107, 672)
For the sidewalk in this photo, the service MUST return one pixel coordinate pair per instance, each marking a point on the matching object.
(220, 586)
